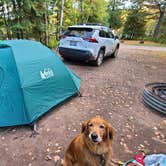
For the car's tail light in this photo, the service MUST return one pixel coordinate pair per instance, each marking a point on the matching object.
(93, 40)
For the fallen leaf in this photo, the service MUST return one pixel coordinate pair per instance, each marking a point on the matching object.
(56, 158)
(58, 151)
(48, 157)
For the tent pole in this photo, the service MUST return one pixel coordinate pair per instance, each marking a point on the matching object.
(79, 94)
(34, 129)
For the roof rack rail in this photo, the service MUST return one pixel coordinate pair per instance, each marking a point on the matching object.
(97, 24)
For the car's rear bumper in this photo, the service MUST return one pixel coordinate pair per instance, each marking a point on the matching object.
(77, 55)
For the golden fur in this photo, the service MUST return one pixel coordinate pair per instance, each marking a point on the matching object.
(83, 151)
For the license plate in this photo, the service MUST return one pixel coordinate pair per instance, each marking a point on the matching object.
(73, 43)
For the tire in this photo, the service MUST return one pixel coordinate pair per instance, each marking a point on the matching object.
(100, 58)
(65, 59)
(115, 53)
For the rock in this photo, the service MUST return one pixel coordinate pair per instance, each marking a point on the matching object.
(30, 153)
(56, 158)
(155, 128)
(131, 117)
(48, 150)
(56, 144)
(49, 144)
(14, 130)
(33, 158)
(47, 129)
(30, 164)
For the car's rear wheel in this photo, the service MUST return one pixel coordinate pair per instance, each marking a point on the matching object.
(115, 53)
(100, 58)
(66, 59)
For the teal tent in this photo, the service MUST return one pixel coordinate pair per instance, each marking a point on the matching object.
(32, 81)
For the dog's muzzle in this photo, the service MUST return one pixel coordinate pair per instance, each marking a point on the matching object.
(95, 138)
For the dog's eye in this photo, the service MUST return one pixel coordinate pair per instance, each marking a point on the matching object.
(101, 126)
(90, 125)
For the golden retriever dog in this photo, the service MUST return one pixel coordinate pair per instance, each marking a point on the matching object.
(93, 146)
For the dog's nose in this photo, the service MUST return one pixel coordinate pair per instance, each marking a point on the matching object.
(94, 136)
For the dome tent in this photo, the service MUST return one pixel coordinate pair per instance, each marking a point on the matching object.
(32, 81)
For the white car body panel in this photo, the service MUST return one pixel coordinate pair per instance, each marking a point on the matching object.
(80, 44)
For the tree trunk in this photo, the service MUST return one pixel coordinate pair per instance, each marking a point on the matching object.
(22, 34)
(6, 23)
(157, 28)
(54, 5)
(46, 31)
(90, 4)
(57, 27)
(20, 18)
(46, 27)
(82, 11)
(61, 16)
(16, 17)
(9, 22)
(113, 7)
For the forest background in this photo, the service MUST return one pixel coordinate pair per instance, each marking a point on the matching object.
(45, 20)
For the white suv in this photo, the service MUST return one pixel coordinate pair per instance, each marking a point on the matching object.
(88, 43)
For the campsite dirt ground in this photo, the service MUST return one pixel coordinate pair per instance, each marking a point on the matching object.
(112, 91)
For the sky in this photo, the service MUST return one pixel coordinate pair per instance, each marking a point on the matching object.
(128, 3)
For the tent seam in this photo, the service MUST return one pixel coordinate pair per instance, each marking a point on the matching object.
(20, 84)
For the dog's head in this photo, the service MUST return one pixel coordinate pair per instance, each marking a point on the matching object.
(98, 130)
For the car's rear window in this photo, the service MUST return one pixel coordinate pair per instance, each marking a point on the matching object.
(79, 32)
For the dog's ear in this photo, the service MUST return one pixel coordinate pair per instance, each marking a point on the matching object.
(84, 126)
(110, 132)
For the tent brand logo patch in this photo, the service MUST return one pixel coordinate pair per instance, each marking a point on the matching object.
(46, 73)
